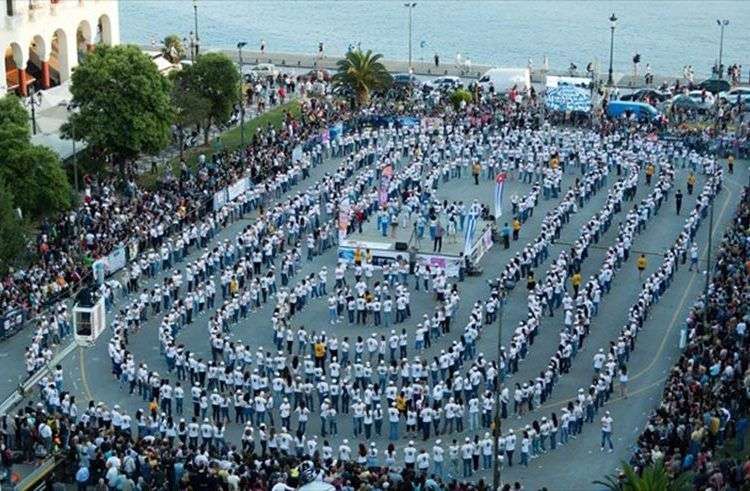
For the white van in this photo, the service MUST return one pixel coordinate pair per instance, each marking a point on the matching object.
(505, 78)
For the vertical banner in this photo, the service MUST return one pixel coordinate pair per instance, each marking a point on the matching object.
(385, 183)
(499, 184)
(469, 232)
(344, 209)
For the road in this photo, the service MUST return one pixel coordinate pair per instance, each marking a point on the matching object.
(88, 370)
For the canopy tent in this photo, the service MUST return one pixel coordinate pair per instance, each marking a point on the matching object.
(566, 98)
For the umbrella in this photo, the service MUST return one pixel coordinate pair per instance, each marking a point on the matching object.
(568, 98)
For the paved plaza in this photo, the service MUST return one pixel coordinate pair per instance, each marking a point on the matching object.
(88, 371)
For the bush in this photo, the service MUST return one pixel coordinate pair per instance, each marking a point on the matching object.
(461, 95)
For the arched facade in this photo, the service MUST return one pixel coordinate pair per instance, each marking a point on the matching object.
(44, 40)
(104, 30)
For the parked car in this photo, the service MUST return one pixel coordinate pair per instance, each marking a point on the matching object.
(402, 80)
(642, 95)
(503, 79)
(737, 94)
(703, 99)
(444, 83)
(684, 102)
(617, 109)
(262, 71)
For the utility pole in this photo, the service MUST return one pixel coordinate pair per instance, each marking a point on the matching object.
(711, 223)
(497, 424)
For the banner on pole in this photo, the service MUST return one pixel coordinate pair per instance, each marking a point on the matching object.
(499, 185)
(385, 183)
(469, 232)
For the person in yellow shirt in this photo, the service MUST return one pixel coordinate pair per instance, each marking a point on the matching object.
(516, 228)
(401, 403)
(320, 353)
(730, 164)
(575, 280)
(642, 262)
(476, 169)
(234, 286)
(690, 182)
(650, 169)
(358, 256)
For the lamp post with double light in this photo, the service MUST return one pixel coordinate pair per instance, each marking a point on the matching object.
(612, 25)
(722, 24)
(410, 6)
(241, 45)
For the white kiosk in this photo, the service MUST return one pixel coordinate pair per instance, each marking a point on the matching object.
(89, 321)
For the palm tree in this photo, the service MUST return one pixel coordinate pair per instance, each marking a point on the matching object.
(172, 48)
(360, 73)
(653, 478)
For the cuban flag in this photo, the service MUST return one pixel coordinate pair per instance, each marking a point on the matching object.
(470, 230)
(499, 185)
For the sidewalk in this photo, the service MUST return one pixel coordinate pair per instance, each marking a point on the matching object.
(446, 67)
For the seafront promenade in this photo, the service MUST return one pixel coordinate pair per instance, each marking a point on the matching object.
(429, 69)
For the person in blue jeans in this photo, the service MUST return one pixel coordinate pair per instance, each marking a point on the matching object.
(607, 431)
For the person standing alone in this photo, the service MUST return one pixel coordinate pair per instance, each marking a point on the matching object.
(607, 431)
(641, 263)
(678, 201)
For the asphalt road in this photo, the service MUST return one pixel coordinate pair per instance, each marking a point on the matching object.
(575, 466)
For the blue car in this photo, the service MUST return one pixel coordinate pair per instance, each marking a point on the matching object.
(616, 109)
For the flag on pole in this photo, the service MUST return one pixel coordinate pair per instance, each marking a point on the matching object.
(499, 184)
(469, 231)
(385, 183)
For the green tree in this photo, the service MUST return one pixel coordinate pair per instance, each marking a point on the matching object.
(34, 173)
(361, 73)
(214, 78)
(191, 108)
(124, 104)
(12, 229)
(39, 183)
(655, 477)
(460, 95)
(14, 125)
(173, 49)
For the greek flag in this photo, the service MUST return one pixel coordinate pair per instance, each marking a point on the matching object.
(499, 184)
(470, 230)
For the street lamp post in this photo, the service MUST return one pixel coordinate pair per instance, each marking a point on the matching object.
(71, 107)
(711, 219)
(33, 100)
(612, 25)
(195, 18)
(410, 6)
(241, 45)
(498, 401)
(722, 24)
(190, 42)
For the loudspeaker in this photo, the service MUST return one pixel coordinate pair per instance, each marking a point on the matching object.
(401, 246)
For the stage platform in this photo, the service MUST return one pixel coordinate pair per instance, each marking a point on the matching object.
(403, 245)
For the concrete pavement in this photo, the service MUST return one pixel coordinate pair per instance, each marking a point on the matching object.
(88, 372)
